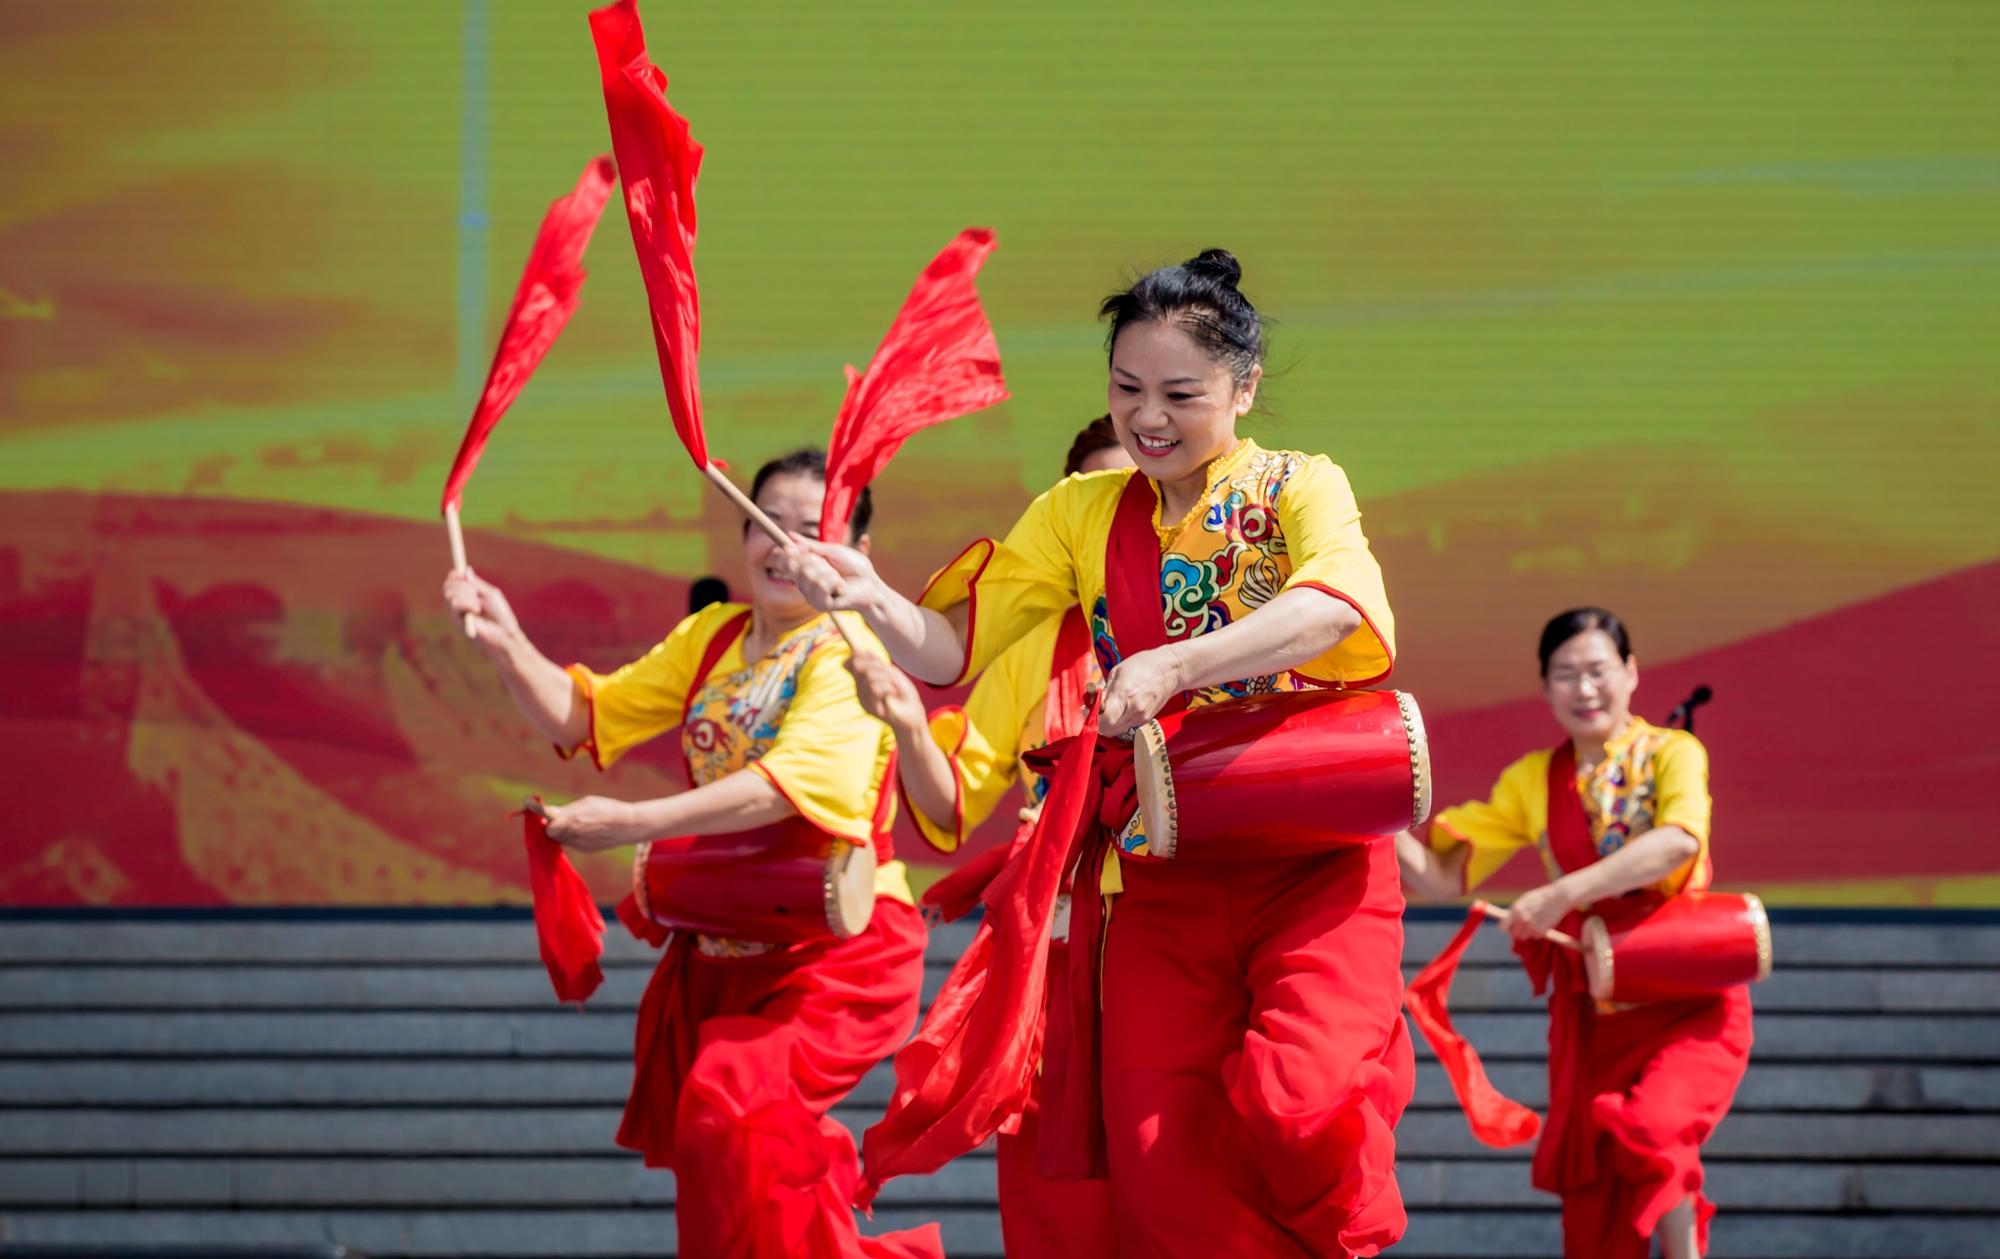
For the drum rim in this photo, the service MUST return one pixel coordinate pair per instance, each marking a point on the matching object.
(639, 900)
(1597, 946)
(1420, 758)
(836, 865)
(1152, 738)
(1760, 923)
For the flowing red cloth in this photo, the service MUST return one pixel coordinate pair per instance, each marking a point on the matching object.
(543, 303)
(743, 1058)
(568, 926)
(1495, 1118)
(971, 1065)
(939, 361)
(970, 1068)
(1042, 1218)
(658, 161)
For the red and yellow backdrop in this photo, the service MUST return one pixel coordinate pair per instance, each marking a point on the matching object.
(1689, 311)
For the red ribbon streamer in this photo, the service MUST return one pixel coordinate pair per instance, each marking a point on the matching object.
(658, 161)
(1495, 1118)
(543, 303)
(938, 362)
(568, 926)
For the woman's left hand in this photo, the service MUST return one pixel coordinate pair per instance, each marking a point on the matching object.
(1139, 687)
(594, 823)
(1535, 913)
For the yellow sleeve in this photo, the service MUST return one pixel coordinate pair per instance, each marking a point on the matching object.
(1680, 778)
(1322, 527)
(983, 740)
(647, 697)
(1013, 585)
(829, 757)
(1498, 828)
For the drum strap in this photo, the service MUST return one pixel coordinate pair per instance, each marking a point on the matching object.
(1569, 829)
(711, 656)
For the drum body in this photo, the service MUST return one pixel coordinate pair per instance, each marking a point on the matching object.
(779, 884)
(1283, 774)
(1639, 950)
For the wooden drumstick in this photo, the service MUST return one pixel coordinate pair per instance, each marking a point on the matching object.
(454, 532)
(1553, 937)
(745, 504)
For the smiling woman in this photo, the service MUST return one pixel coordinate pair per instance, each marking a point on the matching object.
(771, 731)
(1230, 1054)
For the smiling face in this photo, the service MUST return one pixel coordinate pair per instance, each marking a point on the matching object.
(1175, 405)
(793, 501)
(1589, 688)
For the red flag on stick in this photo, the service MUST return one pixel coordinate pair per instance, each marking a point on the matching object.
(543, 303)
(938, 362)
(658, 161)
(1495, 1118)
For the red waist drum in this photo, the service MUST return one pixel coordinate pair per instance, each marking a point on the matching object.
(1639, 950)
(777, 884)
(1282, 774)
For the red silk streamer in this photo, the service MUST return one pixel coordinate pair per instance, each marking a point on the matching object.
(938, 362)
(1495, 1118)
(971, 1066)
(567, 924)
(658, 161)
(543, 303)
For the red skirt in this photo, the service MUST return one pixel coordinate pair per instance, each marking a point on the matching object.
(738, 1060)
(1255, 1061)
(1632, 1097)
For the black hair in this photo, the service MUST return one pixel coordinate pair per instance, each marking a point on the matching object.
(1201, 298)
(704, 591)
(1581, 621)
(1091, 438)
(810, 461)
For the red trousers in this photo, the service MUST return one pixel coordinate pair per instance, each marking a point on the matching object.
(1632, 1097)
(1255, 1061)
(1042, 1218)
(738, 1061)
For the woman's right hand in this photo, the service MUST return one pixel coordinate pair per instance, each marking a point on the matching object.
(466, 594)
(886, 692)
(830, 576)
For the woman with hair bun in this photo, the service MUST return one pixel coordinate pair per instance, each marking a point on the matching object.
(1230, 1052)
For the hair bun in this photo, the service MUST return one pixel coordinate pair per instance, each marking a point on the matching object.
(1219, 263)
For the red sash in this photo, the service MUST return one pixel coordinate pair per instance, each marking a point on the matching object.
(971, 1067)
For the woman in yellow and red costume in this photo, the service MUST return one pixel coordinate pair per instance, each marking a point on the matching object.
(742, 1048)
(956, 764)
(1619, 808)
(1230, 1053)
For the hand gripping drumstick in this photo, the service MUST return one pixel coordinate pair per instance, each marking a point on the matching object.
(458, 564)
(1553, 937)
(770, 527)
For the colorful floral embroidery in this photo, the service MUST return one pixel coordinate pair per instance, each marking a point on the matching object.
(1619, 794)
(736, 716)
(1224, 561)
